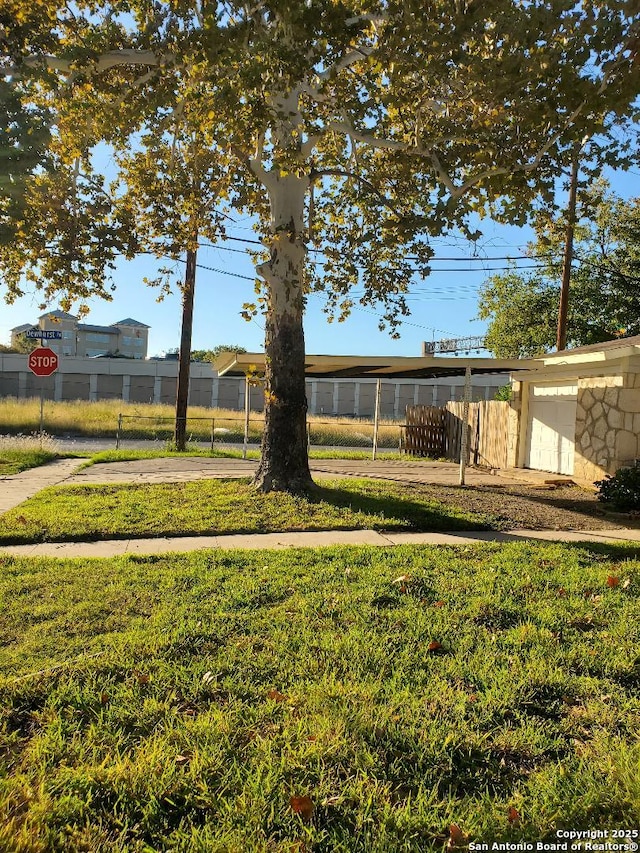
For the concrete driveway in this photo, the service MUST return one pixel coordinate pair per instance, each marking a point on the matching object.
(182, 469)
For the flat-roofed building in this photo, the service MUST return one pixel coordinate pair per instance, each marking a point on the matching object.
(127, 338)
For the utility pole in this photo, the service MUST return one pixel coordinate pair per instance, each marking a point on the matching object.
(561, 337)
(182, 394)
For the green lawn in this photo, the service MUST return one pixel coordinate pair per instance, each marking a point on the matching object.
(14, 461)
(67, 513)
(335, 700)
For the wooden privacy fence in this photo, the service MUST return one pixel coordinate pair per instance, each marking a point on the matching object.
(435, 432)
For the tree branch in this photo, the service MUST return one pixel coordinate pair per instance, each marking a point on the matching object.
(345, 173)
(111, 59)
(369, 19)
(347, 60)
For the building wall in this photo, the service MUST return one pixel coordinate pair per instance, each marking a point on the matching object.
(607, 424)
(144, 381)
(607, 434)
(129, 341)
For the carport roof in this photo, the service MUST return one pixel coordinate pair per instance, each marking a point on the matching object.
(614, 349)
(374, 367)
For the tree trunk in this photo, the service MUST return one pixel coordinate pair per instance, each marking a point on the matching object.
(182, 393)
(284, 464)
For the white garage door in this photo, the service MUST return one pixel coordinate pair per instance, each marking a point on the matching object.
(551, 427)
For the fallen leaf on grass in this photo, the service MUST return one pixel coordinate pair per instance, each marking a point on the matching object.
(181, 760)
(142, 677)
(434, 646)
(438, 603)
(613, 580)
(513, 816)
(402, 579)
(276, 696)
(208, 677)
(457, 838)
(626, 583)
(104, 698)
(302, 806)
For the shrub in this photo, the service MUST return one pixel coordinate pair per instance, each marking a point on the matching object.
(505, 393)
(622, 490)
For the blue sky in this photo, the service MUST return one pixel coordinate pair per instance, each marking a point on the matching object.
(444, 305)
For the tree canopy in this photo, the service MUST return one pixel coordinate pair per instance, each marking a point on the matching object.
(359, 127)
(212, 354)
(604, 296)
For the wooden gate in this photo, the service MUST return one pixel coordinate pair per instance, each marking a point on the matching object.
(424, 433)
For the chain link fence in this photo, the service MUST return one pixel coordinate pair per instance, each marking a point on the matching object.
(153, 426)
(354, 434)
(201, 432)
(222, 432)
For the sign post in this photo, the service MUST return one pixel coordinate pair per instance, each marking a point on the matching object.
(42, 361)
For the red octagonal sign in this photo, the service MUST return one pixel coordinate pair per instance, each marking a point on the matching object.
(43, 361)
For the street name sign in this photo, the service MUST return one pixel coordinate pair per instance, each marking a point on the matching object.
(49, 335)
(43, 361)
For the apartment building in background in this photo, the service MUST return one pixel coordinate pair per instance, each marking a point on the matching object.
(127, 338)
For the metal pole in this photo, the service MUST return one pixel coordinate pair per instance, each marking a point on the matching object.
(561, 335)
(376, 418)
(246, 416)
(213, 432)
(118, 431)
(464, 439)
(41, 401)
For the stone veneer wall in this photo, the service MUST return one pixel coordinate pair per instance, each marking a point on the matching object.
(607, 424)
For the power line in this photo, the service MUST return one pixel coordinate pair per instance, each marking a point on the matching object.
(432, 260)
(210, 269)
(475, 259)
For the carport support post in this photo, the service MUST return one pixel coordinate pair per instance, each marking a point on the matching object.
(246, 417)
(376, 418)
(464, 438)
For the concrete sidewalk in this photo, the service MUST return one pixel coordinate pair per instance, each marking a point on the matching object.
(16, 488)
(173, 469)
(313, 539)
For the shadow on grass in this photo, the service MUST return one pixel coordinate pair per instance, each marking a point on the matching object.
(378, 512)
(403, 514)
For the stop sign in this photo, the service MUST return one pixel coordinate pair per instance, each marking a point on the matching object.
(43, 361)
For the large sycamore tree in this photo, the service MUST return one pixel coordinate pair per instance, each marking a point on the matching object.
(359, 129)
